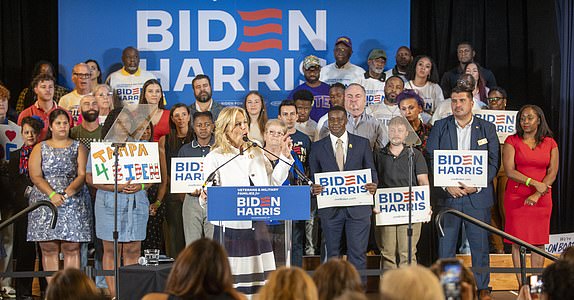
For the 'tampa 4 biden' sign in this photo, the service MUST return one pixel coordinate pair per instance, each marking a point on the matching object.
(452, 167)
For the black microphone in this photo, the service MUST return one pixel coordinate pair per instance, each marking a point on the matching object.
(299, 173)
(212, 174)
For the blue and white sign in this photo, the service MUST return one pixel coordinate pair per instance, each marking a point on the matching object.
(503, 120)
(258, 203)
(453, 167)
(186, 174)
(10, 139)
(344, 188)
(392, 205)
(242, 45)
(559, 242)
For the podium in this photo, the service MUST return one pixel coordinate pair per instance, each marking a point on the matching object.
(248, 219)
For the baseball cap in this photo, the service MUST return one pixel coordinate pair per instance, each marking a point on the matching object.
(345, 40)
(311, 61)
(376, 53)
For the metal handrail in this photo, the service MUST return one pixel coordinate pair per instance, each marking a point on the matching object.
(523, 245)
(30, 208)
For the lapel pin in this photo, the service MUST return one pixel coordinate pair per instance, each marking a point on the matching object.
(350, 146)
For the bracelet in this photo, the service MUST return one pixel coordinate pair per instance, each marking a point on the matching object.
(158, 203)
(52, 195)
(143, 186)
(527, 183)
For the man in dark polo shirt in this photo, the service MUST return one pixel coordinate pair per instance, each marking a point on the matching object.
(195, 224)
(392, 163)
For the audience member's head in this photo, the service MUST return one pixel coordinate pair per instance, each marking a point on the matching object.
(288, 113)
(558, 281)
(43, 85)
(465, 52)
(393, 87)
(403, 57)
(152, 93)
(202, 88)
(72, 284)
(304, 103)
(412, 282)
(497, 98)
(4, 97)
(337, 94)
(311, 69)
(289, 284)
(568, 254)
(423, 67)
(96, 71)
(201, 271)
(335, 277)
(254, 105)
(351, 295)
(355, 99)
(343, 50)
(81, 75)
(131, 59)
(89, 108)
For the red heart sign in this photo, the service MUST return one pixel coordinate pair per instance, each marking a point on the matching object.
(10, 134)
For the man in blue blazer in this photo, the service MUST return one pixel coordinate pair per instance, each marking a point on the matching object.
(354, 153)
(462, 131)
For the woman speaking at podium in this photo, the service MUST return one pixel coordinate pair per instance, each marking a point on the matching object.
(247, 242)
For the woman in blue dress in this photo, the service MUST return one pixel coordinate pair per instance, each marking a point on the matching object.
(57, 168)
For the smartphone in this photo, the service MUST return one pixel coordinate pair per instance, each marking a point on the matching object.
(535, 282)
(450, 279)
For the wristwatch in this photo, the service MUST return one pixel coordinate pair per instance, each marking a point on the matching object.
(66, 196)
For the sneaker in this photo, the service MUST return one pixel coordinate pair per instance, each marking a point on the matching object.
(9, 292)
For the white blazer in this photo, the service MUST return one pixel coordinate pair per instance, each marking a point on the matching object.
(250, 165)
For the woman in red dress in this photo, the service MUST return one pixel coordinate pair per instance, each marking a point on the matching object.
(530, 158)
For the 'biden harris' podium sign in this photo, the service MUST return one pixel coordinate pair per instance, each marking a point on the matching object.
(270, 203)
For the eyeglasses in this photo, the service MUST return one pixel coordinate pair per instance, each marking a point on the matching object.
(275, 133)
(109, 94)
(82, 75)
(495, 99)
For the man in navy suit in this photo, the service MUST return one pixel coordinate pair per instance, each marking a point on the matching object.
(342, 151)
(462, 131)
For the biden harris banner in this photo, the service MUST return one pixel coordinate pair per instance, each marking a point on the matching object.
(393, 205)
(453, 167)
(243, 45)
(137, 162)
(258, 203)
(503, 120)
(344, 188)
(186, 174)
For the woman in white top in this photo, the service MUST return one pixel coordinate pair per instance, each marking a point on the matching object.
(423, 78)
(247, 243)
(256, 115)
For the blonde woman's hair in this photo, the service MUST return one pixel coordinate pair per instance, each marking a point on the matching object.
(289, 284)
(224, 124)
(412, 282)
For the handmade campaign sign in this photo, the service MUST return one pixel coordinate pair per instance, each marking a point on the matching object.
(137, 161)
(393, 205)
(559, 242)
(503, 120)
(258, 203)
(10, 139)
(452, 167)
(345, 188)
(186, 174)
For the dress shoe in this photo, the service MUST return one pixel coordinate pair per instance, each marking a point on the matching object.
(484, 295)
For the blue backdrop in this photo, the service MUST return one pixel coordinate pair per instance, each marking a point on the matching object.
(242, 45)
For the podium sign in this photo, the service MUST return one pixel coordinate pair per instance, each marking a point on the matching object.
(258, 203)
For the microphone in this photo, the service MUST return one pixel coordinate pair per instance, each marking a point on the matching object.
(211, 176)
(299, 173)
